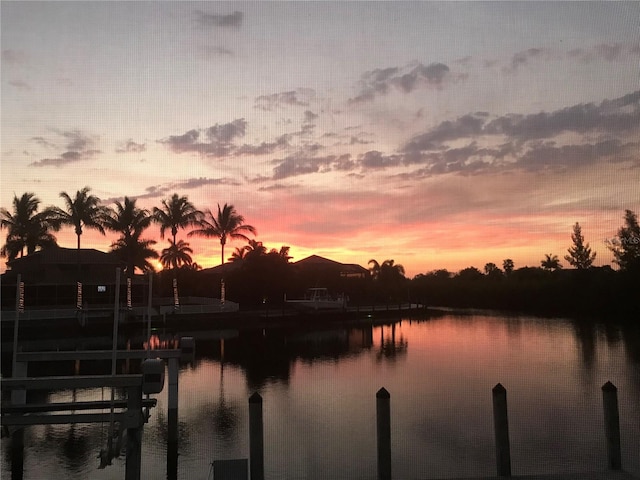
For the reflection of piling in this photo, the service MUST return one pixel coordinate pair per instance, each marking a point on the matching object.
(134, 436)
(172, 420)
(612, 425)
(256, 437)
(501, 427)
(383, 418)
(18, 397)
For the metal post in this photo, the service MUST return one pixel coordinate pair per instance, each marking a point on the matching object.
(149, 314)
(134, 434)
(612, 426)
(116, 311)
(501, 428)
(16, 325)
(383, 420)
(256, 437)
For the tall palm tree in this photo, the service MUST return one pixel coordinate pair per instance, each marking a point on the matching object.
(27, 228)
(227, 224)
(176, 255)
(130, 222)
(83, 210)
(176, 212)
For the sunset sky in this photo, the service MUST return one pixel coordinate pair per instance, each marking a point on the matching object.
(440, 135)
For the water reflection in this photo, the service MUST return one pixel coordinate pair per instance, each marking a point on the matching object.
(319, 384)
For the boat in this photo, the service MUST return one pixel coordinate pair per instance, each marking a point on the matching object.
(318, 298)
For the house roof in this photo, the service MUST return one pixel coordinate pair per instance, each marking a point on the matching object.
(66, 256)
(316, 261)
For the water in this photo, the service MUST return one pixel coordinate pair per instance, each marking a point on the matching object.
(319, 388)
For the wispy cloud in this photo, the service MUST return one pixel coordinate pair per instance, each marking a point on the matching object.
(132, 147)
(217, 20)
(406, 79)
(299, 97)
(218, 141)
(77, 147)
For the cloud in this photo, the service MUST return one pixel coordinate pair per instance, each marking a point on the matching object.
(78, 146)
(406, 80)
(20, 84)
(609, 52)
(155, 191)
(299, 97)
(217, 141)
(131, 147)
(214, 20)
(209, 52)
(226, 132)
(617, 116)
(523, 58)
(13, 57)
(295, 165)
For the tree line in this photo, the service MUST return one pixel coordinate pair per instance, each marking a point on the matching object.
(259, 275)
(29, 228)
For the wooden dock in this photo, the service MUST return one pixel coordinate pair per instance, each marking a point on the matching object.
(605, 475)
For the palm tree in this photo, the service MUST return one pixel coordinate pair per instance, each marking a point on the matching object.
(227, 224)
(130, 221)
(27, 228)
(176, 212)
(387, 270)
(176, 255)
(84, 210)
(239, 254)
(551, 262)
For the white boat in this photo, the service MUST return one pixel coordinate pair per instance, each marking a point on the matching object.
(318, 298)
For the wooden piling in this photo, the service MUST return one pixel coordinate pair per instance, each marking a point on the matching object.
(256, 438)
(383, 430)
(612, 426)
(18, 397)
(501, 428)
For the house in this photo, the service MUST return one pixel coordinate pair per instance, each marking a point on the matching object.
(51, 277)
(325, 266)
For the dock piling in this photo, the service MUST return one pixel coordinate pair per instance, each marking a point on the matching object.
(383, 420)
(256, 438)
(501, 427)
(612, 425)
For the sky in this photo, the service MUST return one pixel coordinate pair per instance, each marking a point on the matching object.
(437, 134)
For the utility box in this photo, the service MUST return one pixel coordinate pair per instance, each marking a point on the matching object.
(231, 469)
(188, 348)
(152, 375)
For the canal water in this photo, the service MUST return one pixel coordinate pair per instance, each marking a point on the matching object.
(319, 386)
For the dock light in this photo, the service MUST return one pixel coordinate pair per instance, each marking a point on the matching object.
(152, 376)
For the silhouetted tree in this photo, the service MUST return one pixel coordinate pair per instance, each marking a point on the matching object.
(626, 247)
(27, 228)
(492, 270)
(469, 273)
(83, 210)
(176, 212)
(130, 222)
(226, 224)
(176, 255)
(508, 266)
(580, 255)
(551, 262)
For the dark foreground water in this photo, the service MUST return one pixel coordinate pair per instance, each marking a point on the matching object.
(319, 402)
